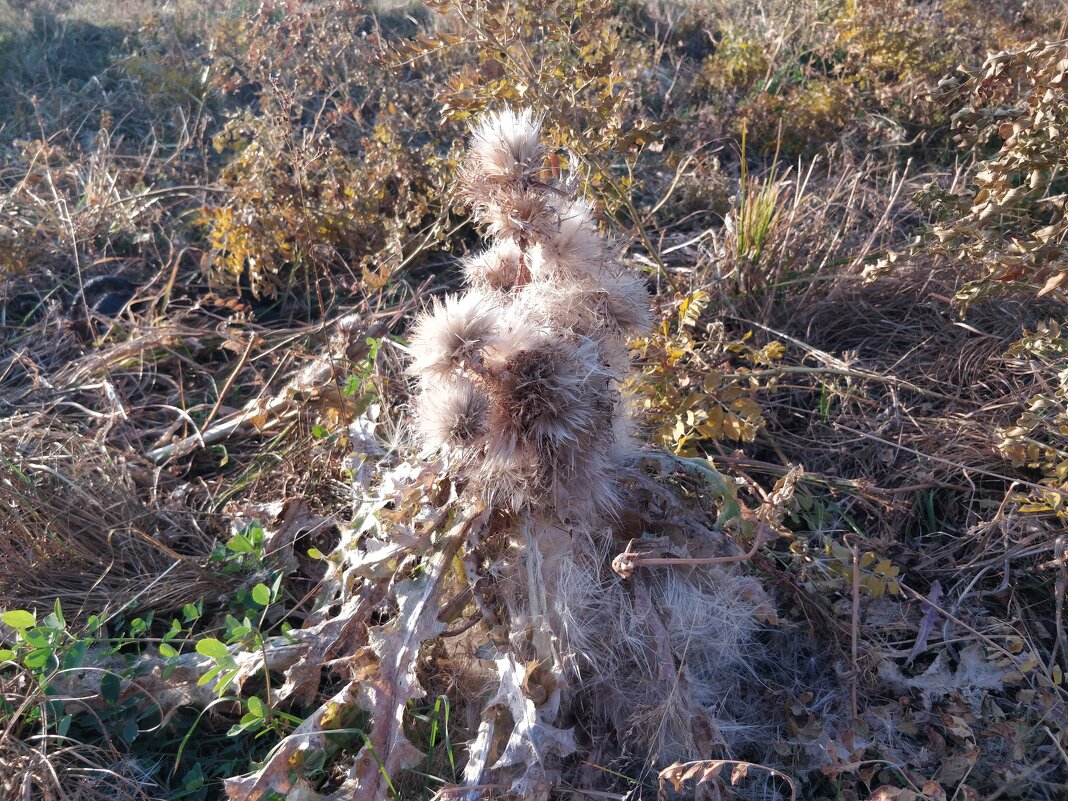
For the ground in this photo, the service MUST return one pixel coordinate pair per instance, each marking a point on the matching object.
(217, 223)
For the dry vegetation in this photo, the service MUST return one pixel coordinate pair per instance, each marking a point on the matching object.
(250, 552)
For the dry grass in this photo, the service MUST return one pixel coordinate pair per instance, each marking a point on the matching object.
(79, 529)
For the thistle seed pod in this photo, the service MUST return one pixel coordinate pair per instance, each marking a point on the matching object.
(575, 250)
(499, 268)
(553, 391)
(519, 215)
(452, 414)
(452, 335)
(615, 305)
(506, 151)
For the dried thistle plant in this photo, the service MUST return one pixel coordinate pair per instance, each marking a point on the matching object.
(520, 396)
(529, 477)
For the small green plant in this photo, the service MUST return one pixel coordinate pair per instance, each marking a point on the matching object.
(758, 209)
(102, 660)
(739, 65)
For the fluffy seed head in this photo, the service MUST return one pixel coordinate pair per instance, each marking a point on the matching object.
(506, 475)
(540, 339)
(506, 149)
(499, 268)
(626, 301)
(576, 249)
(551, 390)
(613, 305)
(518, 215)
(452, 414)
(453, 334)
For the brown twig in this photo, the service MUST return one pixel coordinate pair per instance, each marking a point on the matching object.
(855, 630)
(625, 563)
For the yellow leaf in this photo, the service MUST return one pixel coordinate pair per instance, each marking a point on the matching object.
(887, 569)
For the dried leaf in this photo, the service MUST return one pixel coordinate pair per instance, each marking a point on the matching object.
(397, 644)
(888, 793)
(741, 770)
(534, 739)
(927, 623)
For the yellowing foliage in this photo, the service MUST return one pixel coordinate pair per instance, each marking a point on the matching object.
(695, 385)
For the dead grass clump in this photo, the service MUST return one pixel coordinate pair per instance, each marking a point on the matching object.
(898, 412)
(80, 528)
(72, 770)
(895, 364)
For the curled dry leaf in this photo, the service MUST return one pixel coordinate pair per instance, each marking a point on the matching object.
(704, 771)
(383, 692)
(397, 645)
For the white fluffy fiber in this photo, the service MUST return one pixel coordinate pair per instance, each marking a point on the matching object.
(505, 148)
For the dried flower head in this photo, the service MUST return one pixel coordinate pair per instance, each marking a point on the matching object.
(625, 300)
(506, 475)
(452, 335)
(613, 305)
(499, 268)
(505, 150)
(452, 414)
(576, 249)
(520, 215)
(556, 393)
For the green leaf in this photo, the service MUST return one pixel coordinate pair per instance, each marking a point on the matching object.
(75, 657)
(6, 654)
(239, 543)
(194, 779)
(130, 731)
(261, 594)
(211, 647)
(37, 658)
(224, 681)
(211, 674)
(38, 638)
(174, 631)
(255, 706)
(110, 687)
(248, 723)
(19, 619)
(286, 629)
(167, 650)
(352, 386)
